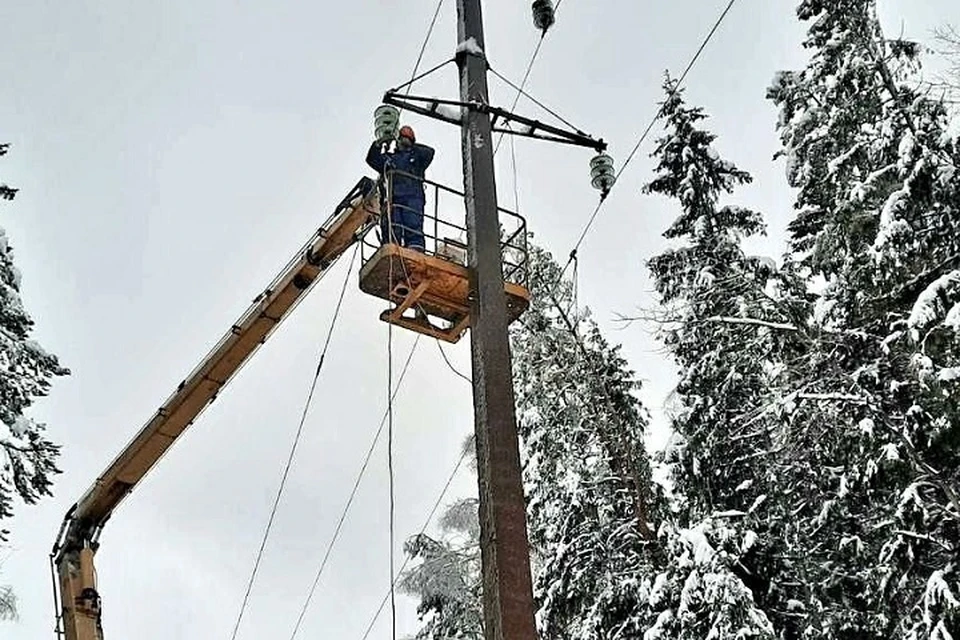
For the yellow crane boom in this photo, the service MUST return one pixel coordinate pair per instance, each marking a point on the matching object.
(78, 602)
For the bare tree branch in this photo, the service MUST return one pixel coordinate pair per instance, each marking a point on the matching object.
(753, 321)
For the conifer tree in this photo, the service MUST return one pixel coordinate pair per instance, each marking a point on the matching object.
(592, 513)
(721, 318)
(713, 300)
(27, 457)
(447, 579)
(873, 431)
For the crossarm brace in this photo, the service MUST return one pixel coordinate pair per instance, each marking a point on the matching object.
(500, 120)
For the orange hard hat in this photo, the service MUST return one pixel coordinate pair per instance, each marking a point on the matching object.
(407, 132)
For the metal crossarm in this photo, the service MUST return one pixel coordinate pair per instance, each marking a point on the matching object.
(501, 119)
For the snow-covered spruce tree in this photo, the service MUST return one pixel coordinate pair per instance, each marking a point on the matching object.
(447, 575)
(447, 578)
(721, 319)
(714, 308)
(27, 458)
(591, 510)
(874, 419)
(586, 475)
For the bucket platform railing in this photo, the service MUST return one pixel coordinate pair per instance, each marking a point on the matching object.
(424, 271)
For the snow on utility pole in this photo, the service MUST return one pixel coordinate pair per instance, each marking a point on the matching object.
(505, 553)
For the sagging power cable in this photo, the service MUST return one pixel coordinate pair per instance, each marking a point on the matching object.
(409, 86)
(423, 529)
(446, 359)
(353, 494)
(293, 448)
(392, 524)
(646, 133)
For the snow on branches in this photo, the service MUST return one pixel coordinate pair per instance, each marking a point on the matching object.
(27, 457)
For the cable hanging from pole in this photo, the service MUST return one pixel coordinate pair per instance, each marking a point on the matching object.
(293, 448)
(446, 359)
(353, 493)
(423, 529)
(393, 579)
(393, 599)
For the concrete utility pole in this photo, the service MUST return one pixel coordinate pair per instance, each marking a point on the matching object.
(507, 588)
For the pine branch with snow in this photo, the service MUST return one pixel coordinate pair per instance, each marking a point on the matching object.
(6, 192)
(699, 596)
(27, 457)
(731, 329)
(446, 578)
(591, 504)
(871, 436)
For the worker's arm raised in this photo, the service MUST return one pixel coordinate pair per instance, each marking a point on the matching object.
(376, 158)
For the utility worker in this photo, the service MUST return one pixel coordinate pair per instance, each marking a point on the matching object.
(409, 198)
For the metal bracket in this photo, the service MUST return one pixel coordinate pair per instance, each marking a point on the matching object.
(528, 127)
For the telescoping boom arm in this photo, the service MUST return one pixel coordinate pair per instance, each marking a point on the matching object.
(78, 615)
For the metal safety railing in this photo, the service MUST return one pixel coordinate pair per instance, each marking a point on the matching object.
(443, 235)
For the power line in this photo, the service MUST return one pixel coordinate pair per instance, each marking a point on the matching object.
(426, 41)
(293, 448)
(646, 132)
(393, 604)
(353, 493)
(423, 529)
(450, 364)
(571, 326)
(526, 75)
(393, 505)
(529, 97)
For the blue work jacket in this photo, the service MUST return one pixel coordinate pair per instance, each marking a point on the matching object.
(414, 160)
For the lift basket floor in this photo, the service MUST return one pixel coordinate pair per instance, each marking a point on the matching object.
(438, 286)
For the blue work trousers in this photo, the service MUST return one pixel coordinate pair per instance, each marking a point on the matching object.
(407, 217)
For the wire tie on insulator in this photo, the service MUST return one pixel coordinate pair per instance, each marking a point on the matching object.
(544, 15)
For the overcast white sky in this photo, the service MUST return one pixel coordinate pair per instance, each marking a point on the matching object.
(172, 156)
